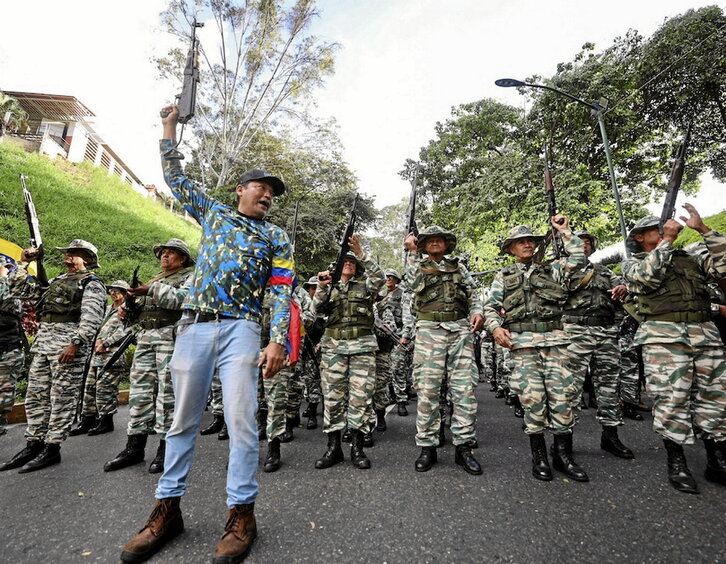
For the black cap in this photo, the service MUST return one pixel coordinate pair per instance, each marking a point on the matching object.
(278, 187)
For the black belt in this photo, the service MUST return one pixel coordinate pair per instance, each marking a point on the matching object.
(194, 316)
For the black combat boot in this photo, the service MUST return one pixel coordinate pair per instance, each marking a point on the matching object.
(86, 423)
(509, 400)
(31, 450)
(381, 420)
(402, 411)
(288, 435)
(715, 461)
(610, 442)
(272, 462)
(295, 419)
(132, 454)
(357, 455)
(426, 459)
(500, 393)
(492, 386)
(334, 454)
(49, 456)
(347, 435)
(312, 416)
(562, 459)
(631, 412)
(583, 402)
(679, 475)
(262, 423)
(309, 409)
(367, 439)
(465, 458)
(518, 409)
(157, 465)
(214, 427)
(223, 434)
(105, 425)
(540, 465)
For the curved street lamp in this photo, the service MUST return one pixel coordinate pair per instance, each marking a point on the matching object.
(596, 109)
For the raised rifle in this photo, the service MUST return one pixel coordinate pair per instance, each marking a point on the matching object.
(293, 235)
(344, 247)
(411, 226)
(132, 308)
(553, 234)
(35, 239)
(674, 182)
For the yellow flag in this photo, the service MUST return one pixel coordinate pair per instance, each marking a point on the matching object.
(10, 253)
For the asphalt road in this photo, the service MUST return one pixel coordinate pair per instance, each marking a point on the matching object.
(74, 512)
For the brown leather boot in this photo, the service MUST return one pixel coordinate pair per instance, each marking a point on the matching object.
(164, 523)
(239, 533)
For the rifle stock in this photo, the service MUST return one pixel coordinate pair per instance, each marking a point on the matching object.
(553, 235)
(674, 182)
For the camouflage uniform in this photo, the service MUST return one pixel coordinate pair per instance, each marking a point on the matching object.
(347, 367)
(444, 299)
(384, 316)
(538, 352)
(72, 310)
(486, 346)
(101, 395)
(504, 369)
(591, 321)
(12, 355)
(151, 396)
(217, 401)
(399, 357)
(683, 355)
(629, 363)
(296, 381)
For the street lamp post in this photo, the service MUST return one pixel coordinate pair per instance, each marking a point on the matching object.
(597, 110)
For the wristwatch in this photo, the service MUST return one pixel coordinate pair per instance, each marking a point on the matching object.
(76, 341)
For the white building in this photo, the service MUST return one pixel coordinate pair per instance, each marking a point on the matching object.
(61, 127)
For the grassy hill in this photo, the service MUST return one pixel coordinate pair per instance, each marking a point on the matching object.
(80, 201)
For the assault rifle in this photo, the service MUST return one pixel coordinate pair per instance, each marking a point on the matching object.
(35, 239)
(552, 235)
(132, 308)
(411, 226)
(186, 101)
(390, 334)
(293, 235)
(674, 182)
(344, 246)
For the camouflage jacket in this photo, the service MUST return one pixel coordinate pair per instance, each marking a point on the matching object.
(644, 272)
(12, 310)
(166, 292)
(52, 338)
(111, 333)
(238, 258)
(414, 283)
(374, 282)
(561, 271)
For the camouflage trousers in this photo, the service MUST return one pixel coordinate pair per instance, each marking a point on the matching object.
(688, 385)
(311, 378)
(545, 387)
(487, 361)
(216, 390)
(444, 350)
(151, 397)
(629, 370)
(11, 363)
(401, 362)
(383, 378)
(351, 379)
(100, 396)
(601, 355)
(295, 391)
(275, 390)
(52, 396)
(504, 366)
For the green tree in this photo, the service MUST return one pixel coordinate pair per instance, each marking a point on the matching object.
(12, 114)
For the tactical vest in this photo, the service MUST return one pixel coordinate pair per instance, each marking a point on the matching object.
(10, 326)
(351, 311)
(534, 303)
(153, 316)
(392, 301)
(590, 303)
(62, 301)
(683, 295)
(443, 297)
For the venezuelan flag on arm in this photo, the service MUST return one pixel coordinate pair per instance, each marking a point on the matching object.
(282, 272)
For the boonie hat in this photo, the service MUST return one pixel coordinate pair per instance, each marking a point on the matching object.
(80, 244)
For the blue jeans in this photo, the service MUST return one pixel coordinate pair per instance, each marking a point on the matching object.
(231, 346)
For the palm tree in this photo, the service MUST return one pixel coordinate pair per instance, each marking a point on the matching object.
(12, 113)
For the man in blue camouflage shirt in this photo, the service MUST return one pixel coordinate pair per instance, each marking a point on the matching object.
(240, 254)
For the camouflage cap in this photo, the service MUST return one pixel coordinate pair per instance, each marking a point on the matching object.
(392, 273)
(80, 244)
(119, 285)
(641, 225)
(585, 234)
(435, 231)
(176, 245)
(519, 232)
(313, 281)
